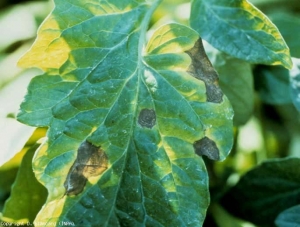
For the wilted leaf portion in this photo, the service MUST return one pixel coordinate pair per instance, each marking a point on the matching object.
(241, 30)
(143, 109)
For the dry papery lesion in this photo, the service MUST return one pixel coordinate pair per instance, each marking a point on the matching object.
(91, 161)
(202, 69)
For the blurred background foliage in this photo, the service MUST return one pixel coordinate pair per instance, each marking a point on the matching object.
(19, 21)
(266, 119)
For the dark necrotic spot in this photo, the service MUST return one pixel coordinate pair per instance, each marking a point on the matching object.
(207, 147)
(90, 161)
(75, 182)
(147, 118)
(202, 69)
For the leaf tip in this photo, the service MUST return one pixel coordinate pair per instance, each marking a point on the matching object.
(23, 61)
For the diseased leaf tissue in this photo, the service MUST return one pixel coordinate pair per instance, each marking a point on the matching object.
(137, 117)
(202, 69)
(91, 161)
(147, 118)
(207, 147)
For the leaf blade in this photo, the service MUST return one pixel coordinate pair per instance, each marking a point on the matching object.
(133, 108)
(276, 184)
(289, 217)
(27, 194)
(241, 30)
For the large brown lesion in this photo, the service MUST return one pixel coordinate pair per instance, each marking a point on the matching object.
(90, 161)
(202, 69)
(207, 147)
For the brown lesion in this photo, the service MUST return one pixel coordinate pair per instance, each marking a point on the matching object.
(207, 147)
(202, 69)
(90, 161)
(147, 118)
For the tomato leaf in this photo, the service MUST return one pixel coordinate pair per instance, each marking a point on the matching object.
(273, 84)
(289, 217)
(241, 30)
(27, 195)
(126, 119)
(276, 183)
(233, 83)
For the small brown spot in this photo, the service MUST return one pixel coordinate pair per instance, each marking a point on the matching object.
(147, 118)
(202, 69)
(90, 161)
(207, 147)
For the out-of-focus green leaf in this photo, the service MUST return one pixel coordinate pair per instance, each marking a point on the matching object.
(265, 191)
(236, 81)
(273, 85)
(169, 10)
(224, 219)
(8, 173)
(147, 110)
(289, 218)
(271, 6)
(27, 195)
(241, 30)
(7, 178)
(295, 83)
(289, 26)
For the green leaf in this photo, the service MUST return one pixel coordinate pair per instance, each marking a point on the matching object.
(289, 26)
(233, 83)
(266, 190)
(7, 178)
(125, 119)
(289, 218)
(273, 84)
(241, 30)
(27, 195)
(295, 83)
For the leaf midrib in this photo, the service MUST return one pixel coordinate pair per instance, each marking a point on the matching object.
(140, 70)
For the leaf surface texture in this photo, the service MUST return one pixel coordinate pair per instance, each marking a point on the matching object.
(141, 104)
